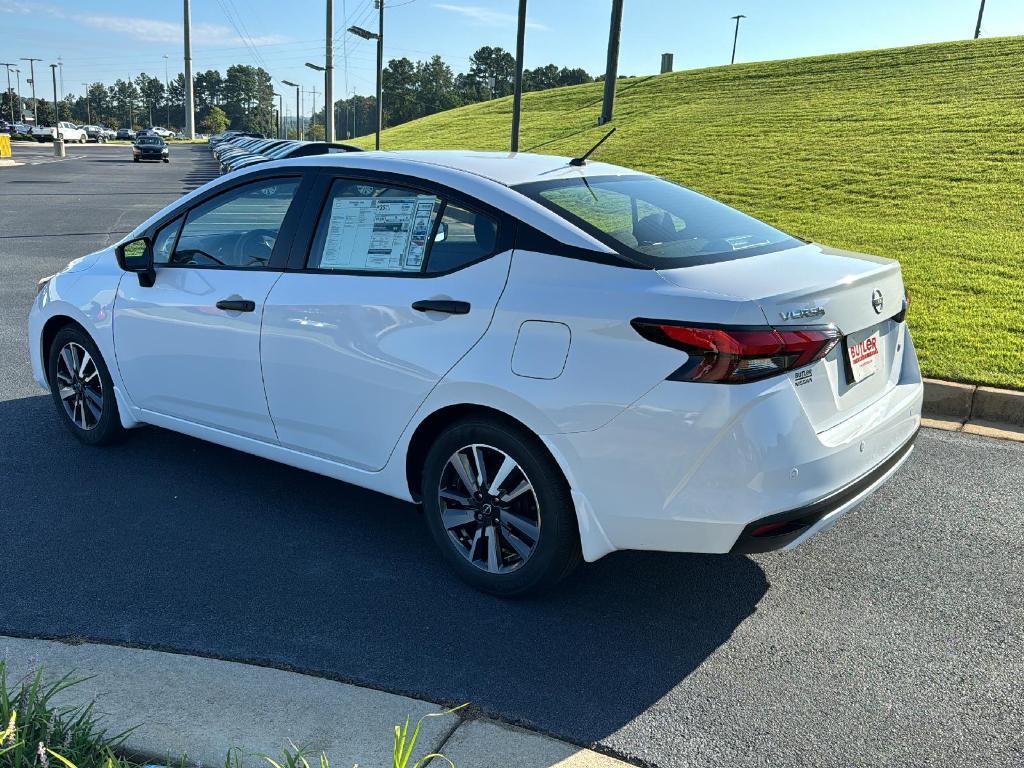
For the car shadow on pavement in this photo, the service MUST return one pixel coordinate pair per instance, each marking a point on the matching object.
(169, 542)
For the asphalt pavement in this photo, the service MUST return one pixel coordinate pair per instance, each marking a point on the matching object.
(893, 639)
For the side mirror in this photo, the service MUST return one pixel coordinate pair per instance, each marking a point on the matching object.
(442, 233)
(137, 256)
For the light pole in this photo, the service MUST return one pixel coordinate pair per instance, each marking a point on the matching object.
(517, 87)
(88, 104)
(981, 12)
(379, 37)
(5, 64)
(329, 76)
(611, 72)
(327, 102)
(56, 111)
(21, 104)
(190, 117)
(736, 36)
(32, 82)
(167, 93)
(280, 115)
(298, 110)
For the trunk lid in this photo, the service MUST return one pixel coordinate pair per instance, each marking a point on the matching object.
(813, 285)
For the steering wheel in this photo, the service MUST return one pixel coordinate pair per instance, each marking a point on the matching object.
(255, 247)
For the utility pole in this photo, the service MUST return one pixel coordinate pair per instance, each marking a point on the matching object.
(21, 104)
(56, 107)
(190, 117)
(298, 108)
(329, 76)
(280, 115)
(131, 106)
(60, 65)
(32, 81)
(312, 113)
(981, 12)
(380, 71)
(611, 72)
(167, 94)
(517, 87)
(736, 36)
(88, 104)
(5, 64)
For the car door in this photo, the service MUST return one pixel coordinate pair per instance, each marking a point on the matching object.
(397, 283)
(187, 347)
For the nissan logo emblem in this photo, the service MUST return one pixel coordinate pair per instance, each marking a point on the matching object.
(877, 302)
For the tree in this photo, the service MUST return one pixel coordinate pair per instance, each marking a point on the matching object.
(215, 121)
(436, 86)
(248, 95)
(541, 78)
(151, 93)
(484, 64)
(400, 83)
(176, 97)
(207, 89)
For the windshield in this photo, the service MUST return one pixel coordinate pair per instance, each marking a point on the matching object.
(149, 140)
(656, 223)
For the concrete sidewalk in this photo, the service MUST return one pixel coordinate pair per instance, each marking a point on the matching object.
(199, 708)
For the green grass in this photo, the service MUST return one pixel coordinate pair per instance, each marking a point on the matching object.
(911, 153)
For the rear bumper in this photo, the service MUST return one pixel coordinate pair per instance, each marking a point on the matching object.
(787, 530)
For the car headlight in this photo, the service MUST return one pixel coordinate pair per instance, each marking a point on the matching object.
(164, 150)
(42, 283)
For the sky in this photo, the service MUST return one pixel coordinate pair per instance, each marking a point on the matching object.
(109, 40)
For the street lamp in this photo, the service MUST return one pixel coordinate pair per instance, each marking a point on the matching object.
(88, 103)
(280, 115)
(298, 110)
(379, 37)
(736, 36)
(167, 94)
(6, 64)
(21, 104)
(318, 68)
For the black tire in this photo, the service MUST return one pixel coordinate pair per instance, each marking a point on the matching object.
(108, 427)
(166, 160)
(556, 550)
(135, 159)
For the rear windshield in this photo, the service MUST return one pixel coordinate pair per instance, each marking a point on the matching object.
(656, 223)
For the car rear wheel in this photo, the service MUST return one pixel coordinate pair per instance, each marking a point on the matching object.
(82, 389)
(499, 508)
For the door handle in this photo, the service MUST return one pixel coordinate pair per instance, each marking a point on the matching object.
(237, 305)
(447, 306)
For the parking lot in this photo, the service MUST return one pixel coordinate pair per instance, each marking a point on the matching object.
(893, 639)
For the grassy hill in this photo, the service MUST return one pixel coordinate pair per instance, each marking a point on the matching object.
(913, 153)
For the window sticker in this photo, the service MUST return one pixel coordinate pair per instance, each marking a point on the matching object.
(386, 234)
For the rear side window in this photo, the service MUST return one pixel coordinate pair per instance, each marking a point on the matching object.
(381, 228)
(656, 223)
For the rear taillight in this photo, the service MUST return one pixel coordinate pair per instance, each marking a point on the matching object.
(735, 355)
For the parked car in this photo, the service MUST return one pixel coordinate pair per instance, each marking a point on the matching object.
(23, 128)
(69, 132)
(163, 133)
(95, 133)
(125, 133)
(288, 149)
(150, 147)
(108, 133)
(589, 358)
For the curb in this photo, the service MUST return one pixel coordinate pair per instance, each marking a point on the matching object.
(969, 404)
(190, 710)
(977, 410)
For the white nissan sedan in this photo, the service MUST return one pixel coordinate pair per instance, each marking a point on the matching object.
(556, 358)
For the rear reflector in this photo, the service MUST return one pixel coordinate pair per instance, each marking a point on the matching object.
(735, 355)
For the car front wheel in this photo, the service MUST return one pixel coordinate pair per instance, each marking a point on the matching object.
(82, 389)
(499, 508)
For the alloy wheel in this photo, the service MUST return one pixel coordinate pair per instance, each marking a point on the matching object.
(489, 508)
(79, 386)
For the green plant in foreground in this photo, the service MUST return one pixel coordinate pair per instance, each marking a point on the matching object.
(405, 742)
(38, 729)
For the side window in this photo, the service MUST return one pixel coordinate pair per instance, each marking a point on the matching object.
(374, 228)
(462, 238)
(237, 229)
(164, 243)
